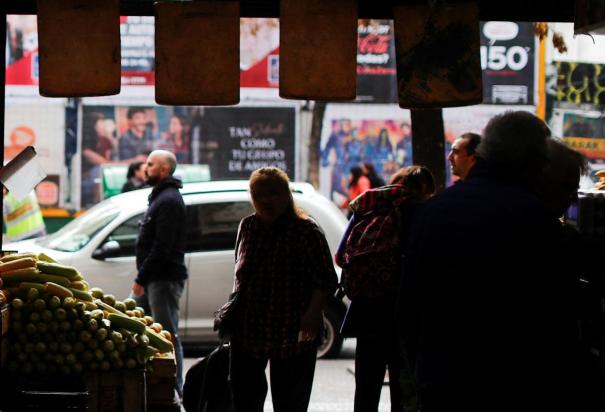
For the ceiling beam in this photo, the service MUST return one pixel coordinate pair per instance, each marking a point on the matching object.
(510, 10)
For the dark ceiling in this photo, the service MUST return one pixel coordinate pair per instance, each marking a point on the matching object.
(507, 10)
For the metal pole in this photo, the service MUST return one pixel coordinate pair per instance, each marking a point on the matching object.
(428, 143)
(2, 100)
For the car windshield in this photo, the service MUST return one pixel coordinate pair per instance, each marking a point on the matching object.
(77, 233)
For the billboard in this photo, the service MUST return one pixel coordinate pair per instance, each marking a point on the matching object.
(137, 44)
(127, 134)
(381, 135)
(42, 126)
(236, 141)
(376, 69)
(585, 134)
(232, 141)
(507, 61)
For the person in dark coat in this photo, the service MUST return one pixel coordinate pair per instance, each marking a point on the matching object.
(160, 250)
(485, 305)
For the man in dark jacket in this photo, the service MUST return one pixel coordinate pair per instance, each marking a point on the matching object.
(160, 250)
(487, 318)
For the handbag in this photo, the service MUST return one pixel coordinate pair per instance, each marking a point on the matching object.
(226, 319)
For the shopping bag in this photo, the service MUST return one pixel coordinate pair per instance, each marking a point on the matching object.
(207, 386)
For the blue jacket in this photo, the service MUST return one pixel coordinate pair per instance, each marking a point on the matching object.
(160, 247)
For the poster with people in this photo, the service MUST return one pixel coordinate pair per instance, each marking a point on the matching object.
(232, 141)
(384, 144)
(127, 134)
(381, 136)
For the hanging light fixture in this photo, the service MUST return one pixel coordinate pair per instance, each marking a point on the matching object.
(438, 59)
(197, 52)
(79, 47)
(318, 49)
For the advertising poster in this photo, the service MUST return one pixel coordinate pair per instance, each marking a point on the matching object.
(585, 134)
(236, 141)
(376, 66)
(43, 127)
(259, 53)
(127, 134)
(578, 84)
(21, 50)
(381, 136)
(137, 43)
(507, 60)
(138, 50)
(232, 141)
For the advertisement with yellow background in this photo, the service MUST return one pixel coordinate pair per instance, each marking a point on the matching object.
(585, 134)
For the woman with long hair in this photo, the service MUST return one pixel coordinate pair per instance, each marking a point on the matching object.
(369, 171)
(283, 274)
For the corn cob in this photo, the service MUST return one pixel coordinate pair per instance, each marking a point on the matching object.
(21, 263)
(58, 290)
(68, 272)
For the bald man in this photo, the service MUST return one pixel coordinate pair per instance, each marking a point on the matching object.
(160, 250)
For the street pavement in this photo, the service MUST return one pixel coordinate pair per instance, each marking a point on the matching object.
(334, 384)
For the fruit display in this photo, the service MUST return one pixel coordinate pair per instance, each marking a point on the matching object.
(59, 324)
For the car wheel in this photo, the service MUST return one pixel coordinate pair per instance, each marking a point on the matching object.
(331, 342)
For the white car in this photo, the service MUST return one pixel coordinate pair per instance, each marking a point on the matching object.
(100, 243)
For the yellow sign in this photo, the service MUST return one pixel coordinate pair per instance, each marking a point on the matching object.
(590, 147)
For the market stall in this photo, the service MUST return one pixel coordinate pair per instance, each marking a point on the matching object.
(72, 346)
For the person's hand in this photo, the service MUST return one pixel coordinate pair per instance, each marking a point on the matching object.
(309, 325)
(137, 290)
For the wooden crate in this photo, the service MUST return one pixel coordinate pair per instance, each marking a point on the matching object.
(4, 344)
(4, 319)
(117, 391)
(4, 322)
(162, 367)
(161, 380)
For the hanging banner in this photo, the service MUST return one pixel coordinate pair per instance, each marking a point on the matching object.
(236, 141)
(507, 61)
